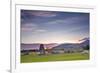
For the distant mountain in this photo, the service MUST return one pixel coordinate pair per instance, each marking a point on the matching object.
(51, 45)
(36, 46)
(72, 45)
(29, 46)
(85, 43)
(67, 46)
(55, 45)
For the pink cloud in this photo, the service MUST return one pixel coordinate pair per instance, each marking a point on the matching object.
(25, 29)
(32, 28)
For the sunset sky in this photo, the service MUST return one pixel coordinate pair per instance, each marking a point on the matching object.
(53, 27)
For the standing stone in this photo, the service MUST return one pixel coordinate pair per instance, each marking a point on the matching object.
(42, 49)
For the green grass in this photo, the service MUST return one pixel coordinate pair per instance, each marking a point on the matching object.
(53, 57)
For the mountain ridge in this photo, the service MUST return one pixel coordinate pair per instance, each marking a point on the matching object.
(54, 45)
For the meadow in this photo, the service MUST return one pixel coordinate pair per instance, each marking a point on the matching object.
(32, 57)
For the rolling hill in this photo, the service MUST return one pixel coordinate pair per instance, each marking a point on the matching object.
(72, 45)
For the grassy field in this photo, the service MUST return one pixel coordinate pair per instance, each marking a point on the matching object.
(53, 57)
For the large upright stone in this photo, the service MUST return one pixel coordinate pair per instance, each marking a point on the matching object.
(42, 49)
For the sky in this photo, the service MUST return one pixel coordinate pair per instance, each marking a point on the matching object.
(53, 27)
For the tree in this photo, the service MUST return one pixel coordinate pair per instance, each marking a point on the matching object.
(86, 47)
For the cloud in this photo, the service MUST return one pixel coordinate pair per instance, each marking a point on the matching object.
(73, 24)
(40, 30)
(25, 29)
(67, 21)
(44, 14)
(31, 28)
(28, 27)
(56, 22)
